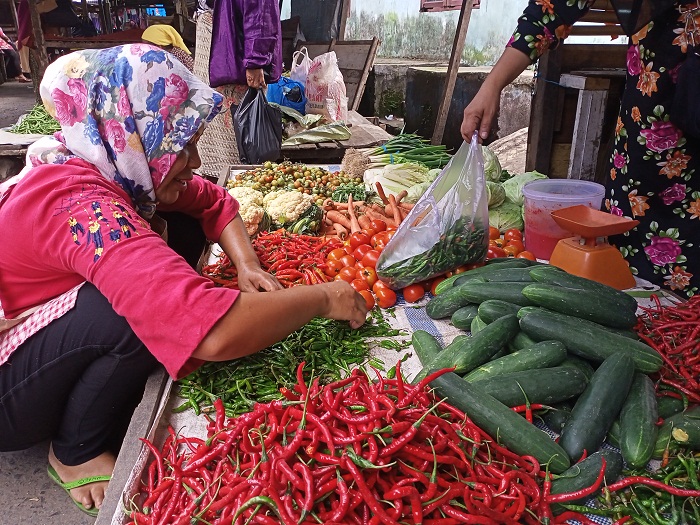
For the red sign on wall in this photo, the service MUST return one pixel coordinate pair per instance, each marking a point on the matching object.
(445, 5)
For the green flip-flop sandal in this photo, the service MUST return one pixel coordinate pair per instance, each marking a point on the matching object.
(75, 484)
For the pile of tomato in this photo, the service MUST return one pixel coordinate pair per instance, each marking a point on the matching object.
(510, 244)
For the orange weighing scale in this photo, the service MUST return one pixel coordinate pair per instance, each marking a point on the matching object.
(589, 254)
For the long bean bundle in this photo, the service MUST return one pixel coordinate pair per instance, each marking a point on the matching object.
(329, 348)
(36, 122)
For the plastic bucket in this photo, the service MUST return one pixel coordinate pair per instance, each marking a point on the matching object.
(547, 195)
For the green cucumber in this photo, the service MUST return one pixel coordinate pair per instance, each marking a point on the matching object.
(463, 277)
(584, 474)
(542, 386)
(509, 275)
(595, 306)
(630, 334)
(588, 341)
(541, 355)
(500, 422)
(597, 407)
(477, 325)
(638, 419)
(521, 341)
(463, 317)
(681, 429)
(557, 415)
(577, 362)
(613, 437)
(475, 292)
(492, 309)
(425, 345)
(553, 275)
(468, 353)
(447, 303)
(669, 406)
(499, 260)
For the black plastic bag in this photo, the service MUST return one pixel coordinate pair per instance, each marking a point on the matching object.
(258, 128)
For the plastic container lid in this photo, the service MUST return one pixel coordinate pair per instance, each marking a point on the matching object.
(563, 190)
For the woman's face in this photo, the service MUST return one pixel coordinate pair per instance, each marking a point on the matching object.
(181, 171)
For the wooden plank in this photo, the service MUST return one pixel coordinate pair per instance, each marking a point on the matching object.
(369, 63)
(588, 131)
(602, 30)
(344, 15)
(583, 82)
(600, 17)
(465, 14)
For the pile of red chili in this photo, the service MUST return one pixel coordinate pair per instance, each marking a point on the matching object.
(293, 259)
(352, 452)
(674, 332)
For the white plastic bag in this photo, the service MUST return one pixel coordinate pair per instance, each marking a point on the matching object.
(448, 226)
(325, 89)
(300, 66)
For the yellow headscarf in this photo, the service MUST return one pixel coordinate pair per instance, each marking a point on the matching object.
(164, 35)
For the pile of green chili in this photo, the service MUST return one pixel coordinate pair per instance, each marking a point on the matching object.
(329, 348)
(36, 122)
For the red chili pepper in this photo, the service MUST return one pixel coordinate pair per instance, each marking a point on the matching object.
(366, 493)
(578, 494)
(641, 480)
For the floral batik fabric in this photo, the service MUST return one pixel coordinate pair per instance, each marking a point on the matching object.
(652, 172)
(131, 131)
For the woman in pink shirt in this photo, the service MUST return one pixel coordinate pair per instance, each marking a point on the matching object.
(92, 296)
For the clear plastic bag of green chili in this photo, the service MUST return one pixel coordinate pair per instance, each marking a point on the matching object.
(447, 228)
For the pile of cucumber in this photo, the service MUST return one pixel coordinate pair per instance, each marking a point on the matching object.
(542, 336)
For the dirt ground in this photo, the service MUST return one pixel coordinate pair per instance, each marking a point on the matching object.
(15, 99)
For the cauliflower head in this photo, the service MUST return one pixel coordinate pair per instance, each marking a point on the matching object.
(251, 209)
(286, 206)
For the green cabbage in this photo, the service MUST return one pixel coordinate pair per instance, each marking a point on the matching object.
(416, 191)
(506, 216)
(514, 185)
(496, 194)
(492, 167)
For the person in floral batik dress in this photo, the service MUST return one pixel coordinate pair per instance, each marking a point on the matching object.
(652, 166)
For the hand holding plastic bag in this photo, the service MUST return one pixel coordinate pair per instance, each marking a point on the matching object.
(447, 228)
(258, 128)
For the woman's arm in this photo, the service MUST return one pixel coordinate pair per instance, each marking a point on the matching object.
(236, 244)
(543, 25)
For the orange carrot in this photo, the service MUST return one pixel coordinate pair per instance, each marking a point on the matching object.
(401, 195)
(380, 192)
(395, 213)
(365, 221)
(407, 206)
(354, 224)
(338, 217)
(340, 230)
(373, 214)
(328, 204)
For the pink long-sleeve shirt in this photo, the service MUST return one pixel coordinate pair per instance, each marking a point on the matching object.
(62, 225)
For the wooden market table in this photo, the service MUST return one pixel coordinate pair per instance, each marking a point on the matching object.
(363, 134)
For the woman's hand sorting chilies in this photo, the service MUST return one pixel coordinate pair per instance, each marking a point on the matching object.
(254, 279)
(344, 303)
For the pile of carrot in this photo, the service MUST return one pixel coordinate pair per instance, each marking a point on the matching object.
(345, 218)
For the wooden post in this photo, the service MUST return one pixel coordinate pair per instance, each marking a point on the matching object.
(344, 14)
(465, 14)
(41, 59)
(13, 9)
(181, 14)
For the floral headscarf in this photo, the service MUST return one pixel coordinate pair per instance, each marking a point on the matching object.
(129, 110)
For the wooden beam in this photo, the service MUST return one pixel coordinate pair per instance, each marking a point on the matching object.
(181, 10)
(344, 14)
(588, 131)
(41, 59)
(465, 14)
(13, 9)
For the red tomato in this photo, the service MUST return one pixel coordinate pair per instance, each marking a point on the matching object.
(378, 225)
(526, 255)
(495, 252)
(333, 268)
(370, 258)
(368, 274)
(436, 281)
(386, 297)
(497, 242)
(379, 285)
(358, 238)
(360, 251)
(348, 260)
(494, 233)
(517, 243)
(379, 240)
(511, 250)
(348, 274)
(413, 293)
(513, 235)
(369, 298)
(359, 284)
(336, 254)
